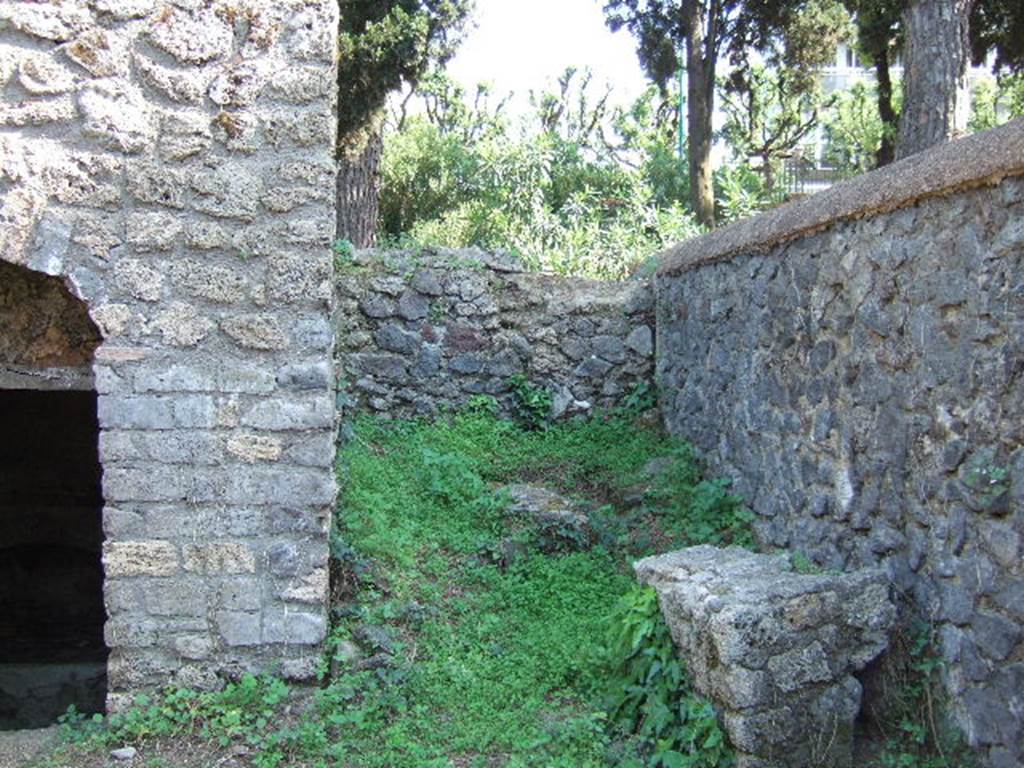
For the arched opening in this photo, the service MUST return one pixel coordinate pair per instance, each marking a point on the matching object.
(52, 653)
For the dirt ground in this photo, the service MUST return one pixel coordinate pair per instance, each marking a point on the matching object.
(20, 748)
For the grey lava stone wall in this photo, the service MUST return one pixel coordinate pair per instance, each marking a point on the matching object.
(864, 384)
(172, 162)
(423, 330)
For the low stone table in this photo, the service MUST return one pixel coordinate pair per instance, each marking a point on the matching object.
(774, 650)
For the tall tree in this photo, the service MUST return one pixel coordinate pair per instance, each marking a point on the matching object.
(940, 26)
(702, 29)
(382, 44)
(879, 40)
(937, 100)
(698, 34)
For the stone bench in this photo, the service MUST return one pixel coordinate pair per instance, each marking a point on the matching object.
(773, 649)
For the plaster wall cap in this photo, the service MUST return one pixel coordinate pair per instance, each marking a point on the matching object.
(982, 159)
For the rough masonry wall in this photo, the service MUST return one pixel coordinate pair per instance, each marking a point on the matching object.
(420, 331)
(865, 387)
(172, 162)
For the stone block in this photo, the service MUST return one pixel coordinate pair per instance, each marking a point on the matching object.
(301, 84)
(176, 598)
(162, 378)
(244, 378)
(277, 485)
(641, 341)
(293, 627)
(195, 37)
(139, 558)
(130, 632)
(306, 376)
(253, 448)
(138, 280)
(261, 332)
(194, 411)
(118, 115)
(239, 629)
(279, 414)
(774, 649)
(219, 558)
(240, 594)
(143, 412)
(229, 192)
(182, 325)
(220, 284)
(313, 588)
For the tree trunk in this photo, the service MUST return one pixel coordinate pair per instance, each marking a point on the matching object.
(700, 70)
(936, 103)
(358, 190)
(890, 120)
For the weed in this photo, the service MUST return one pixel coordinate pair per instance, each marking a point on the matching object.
(908, 710)
(344, 250)
(643, 398)
(532, 404)
(802, 564)
(649, 696)
(436, 311)
(699, 511)
(988, 480)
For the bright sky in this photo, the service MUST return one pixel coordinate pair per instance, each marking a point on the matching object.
(522, 44)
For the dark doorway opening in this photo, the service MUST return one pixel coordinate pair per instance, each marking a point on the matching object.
(52, 652)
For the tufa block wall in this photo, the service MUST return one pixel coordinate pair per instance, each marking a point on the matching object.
(172, 163)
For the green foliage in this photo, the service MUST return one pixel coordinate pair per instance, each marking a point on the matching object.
(997, 26)
(804, 565)
(643, 398)
(649, 697)
(740, 192)
(247, 712)
(769, 113)
(532, 403)
(854, 130)
(699, 511)
(343, 252)
(384, 43)
(556, 191)
(994, 101)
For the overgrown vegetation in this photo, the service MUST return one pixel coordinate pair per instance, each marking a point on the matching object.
(908, 713)
(460, 639)
(579, 187)
(575, 187)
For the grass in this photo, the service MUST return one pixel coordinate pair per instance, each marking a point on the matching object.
(467, 657)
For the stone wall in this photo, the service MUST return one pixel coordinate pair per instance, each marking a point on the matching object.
(172, 164)
(419, 331)
(856, 362)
